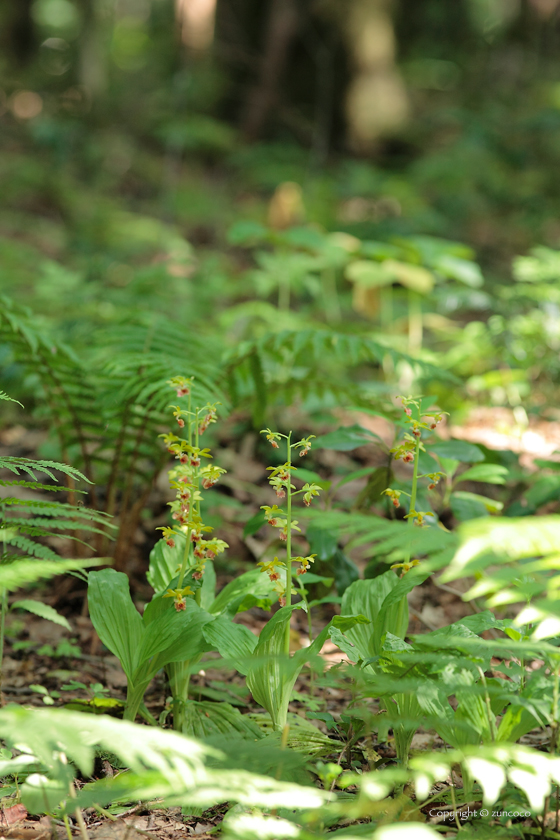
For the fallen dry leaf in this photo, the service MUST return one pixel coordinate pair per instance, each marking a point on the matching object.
(13, 814)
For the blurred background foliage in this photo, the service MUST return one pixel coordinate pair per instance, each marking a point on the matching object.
(243, 167)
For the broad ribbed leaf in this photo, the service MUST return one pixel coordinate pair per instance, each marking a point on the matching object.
(233, 641)
(204, 719)
(367, 597)
(232, 595)
(189, 642)
(114, 616)
(272, 675)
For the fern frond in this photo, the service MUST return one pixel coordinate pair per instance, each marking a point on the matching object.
(4, 396)
(28, 465)
(42, 528)
(35, 485)
(515, 561)
(322, 362)
(31, 548)
(78, 515)
(388, 536)
(504, 539)
(24, 570)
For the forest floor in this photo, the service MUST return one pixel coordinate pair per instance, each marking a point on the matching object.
(44, 663)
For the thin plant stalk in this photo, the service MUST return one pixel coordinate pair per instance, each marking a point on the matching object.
(310, 631)
(332, 305)
(414, 489)
(185, 563)
(454, 803)
(386, 308)
(414, 479)
(554, 729)
(284, 293)
(415, 324)
(386, 323)
(3, 608)
(67, 826)
(186, 554)
(289, 544)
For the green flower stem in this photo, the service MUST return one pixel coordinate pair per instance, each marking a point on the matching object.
(186, 554)
(310, 631)
(190, 416)
(415, 326)
(414, 478)
(386, 308)
(555, 693)
(332, 305)
(413, 491)
(555, 668)
(284, 293)
(196, 475)
(198, 593)
(289, 545)
(185, 562)
(3, 609)
(67, 826)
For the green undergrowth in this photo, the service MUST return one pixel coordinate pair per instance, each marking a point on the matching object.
(479, 694)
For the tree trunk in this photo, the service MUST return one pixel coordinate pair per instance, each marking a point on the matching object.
(93, 56)
(19, 35)
(376, 100)
(282, 26)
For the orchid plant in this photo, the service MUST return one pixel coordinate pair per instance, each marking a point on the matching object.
(409, 450)
(186, 479)
(281, 571)
(164, 638)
